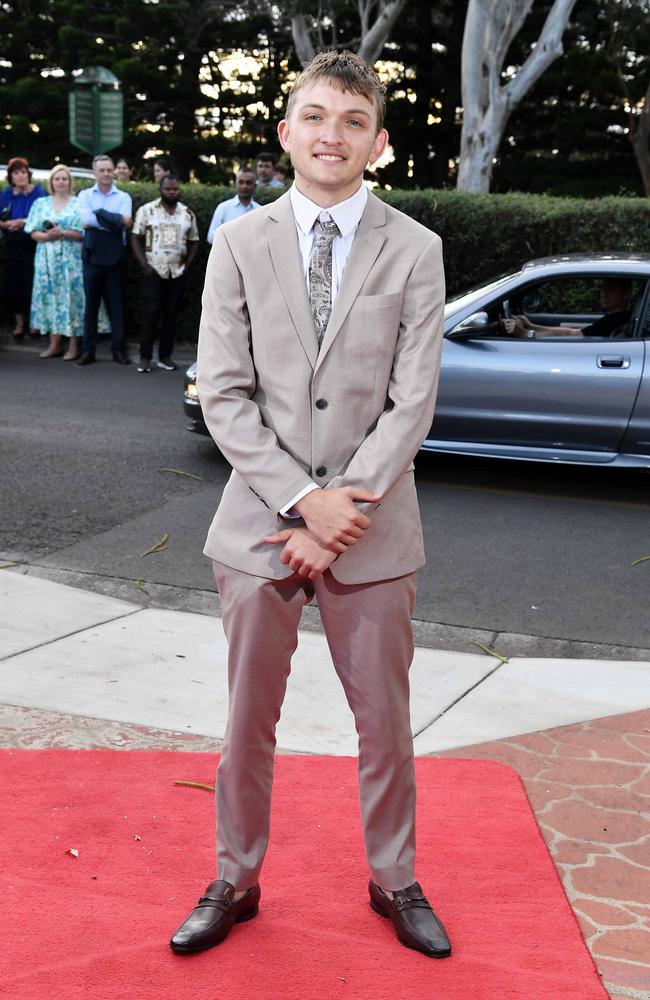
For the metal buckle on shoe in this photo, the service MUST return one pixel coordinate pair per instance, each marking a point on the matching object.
(216, 903)
(404, 904)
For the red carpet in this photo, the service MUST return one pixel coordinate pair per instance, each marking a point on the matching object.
(97, 926)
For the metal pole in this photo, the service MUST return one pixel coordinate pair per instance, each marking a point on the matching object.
(96, 122)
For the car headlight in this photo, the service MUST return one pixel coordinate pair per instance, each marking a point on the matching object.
(192, 391)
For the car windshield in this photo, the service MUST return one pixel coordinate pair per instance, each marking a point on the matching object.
(467, 298)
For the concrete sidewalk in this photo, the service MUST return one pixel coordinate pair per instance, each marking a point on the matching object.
(79, 669)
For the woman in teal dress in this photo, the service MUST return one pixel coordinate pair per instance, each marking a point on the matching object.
(58, 299)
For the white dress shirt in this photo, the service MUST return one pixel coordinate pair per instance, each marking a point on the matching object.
(228, 210)
(114, 200)
(347, 215)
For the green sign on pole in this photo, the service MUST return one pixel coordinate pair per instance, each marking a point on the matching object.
(95, 114)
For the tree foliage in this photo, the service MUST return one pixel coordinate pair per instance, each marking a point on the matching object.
(491, 87)
(328, 24)
(187, 92)
(204, 82)
(571, 134)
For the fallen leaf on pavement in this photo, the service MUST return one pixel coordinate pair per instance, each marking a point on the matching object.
(490, 652)
(158, 547)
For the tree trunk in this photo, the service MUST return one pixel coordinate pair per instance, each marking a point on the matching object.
(490, 27)
(182, 141)
(640, 139)
(374, 34)
(302, 39)
(479, 145)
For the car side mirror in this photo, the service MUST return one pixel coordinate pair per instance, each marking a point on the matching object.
(471, 324)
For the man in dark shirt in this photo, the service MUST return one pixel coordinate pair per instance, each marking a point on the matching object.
(615, 299)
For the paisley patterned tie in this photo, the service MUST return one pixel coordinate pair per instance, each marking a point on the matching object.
(320, 273)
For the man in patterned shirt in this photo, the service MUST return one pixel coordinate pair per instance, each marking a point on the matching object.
(165, 241)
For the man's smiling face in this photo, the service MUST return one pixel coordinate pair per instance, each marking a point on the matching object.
(331, 135)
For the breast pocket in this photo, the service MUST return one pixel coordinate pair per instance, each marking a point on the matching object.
(379, 302)
(374, 321)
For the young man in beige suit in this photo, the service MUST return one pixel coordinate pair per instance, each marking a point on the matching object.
(319, 355)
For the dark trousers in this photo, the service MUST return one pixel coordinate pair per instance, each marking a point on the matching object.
(101, 282)
(162, 299)
(19, 272)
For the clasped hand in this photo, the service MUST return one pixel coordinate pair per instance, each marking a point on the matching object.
(333, 524)
(333, 518)
(302, 552)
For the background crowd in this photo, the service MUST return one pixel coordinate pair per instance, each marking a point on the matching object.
(65, 253)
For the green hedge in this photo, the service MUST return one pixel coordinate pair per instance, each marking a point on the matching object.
(484, 235)
(202, 199)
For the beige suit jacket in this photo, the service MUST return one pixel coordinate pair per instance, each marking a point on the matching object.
(352, 414)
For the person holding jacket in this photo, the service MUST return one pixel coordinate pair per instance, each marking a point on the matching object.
(106, 214)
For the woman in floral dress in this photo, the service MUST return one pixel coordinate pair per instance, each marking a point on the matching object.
(58, 300)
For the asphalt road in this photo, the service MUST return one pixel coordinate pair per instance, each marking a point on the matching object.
(512, 547)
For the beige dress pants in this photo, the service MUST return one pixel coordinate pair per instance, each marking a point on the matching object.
(368, 630)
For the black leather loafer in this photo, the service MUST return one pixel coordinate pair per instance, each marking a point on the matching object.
(121, 358)
(210, 921)
(415, 923)
(86, 359)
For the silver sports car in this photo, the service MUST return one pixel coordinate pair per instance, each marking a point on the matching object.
(549, 363)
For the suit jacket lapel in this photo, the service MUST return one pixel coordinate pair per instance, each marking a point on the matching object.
(287, 265)
(368, 241)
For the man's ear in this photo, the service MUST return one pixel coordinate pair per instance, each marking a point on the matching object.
(283, 134)
(378, 146)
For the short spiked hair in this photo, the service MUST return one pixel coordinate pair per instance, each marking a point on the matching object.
(346, 71)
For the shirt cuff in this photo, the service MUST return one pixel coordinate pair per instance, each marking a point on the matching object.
(287, 510)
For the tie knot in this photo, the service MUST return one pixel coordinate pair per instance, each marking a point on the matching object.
(326, 228)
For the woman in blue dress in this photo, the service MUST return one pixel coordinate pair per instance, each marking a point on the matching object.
(16, 201)
(58, 300)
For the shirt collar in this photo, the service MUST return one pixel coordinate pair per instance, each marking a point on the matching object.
(158, 203)
(106, 193)
(347, 214)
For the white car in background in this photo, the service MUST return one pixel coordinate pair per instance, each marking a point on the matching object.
(41, 174)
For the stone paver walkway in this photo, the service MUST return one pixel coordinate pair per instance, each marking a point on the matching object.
(589, 785)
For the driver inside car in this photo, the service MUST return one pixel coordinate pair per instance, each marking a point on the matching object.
(615, 299)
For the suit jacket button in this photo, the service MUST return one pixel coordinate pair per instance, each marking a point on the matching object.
(321, 404)
(321, 471)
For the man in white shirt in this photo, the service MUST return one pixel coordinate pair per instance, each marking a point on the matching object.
(319, 353)
(242, 203)
(106, 213)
